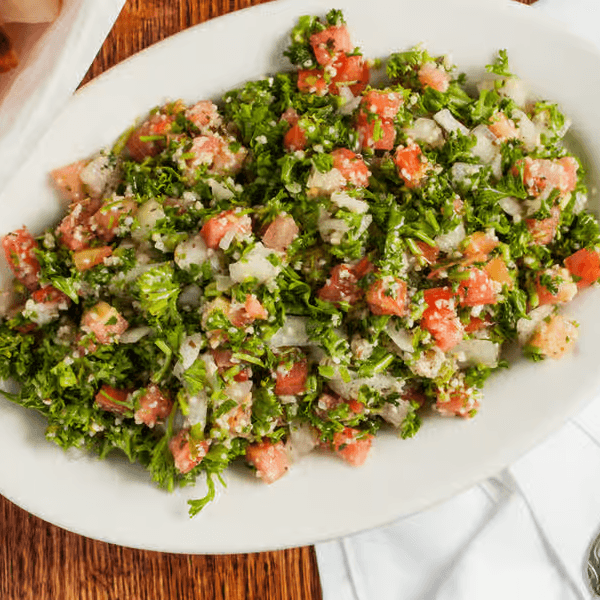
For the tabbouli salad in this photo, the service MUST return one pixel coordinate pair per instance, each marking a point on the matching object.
(299, 264)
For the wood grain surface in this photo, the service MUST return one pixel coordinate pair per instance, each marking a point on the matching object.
(39, 561)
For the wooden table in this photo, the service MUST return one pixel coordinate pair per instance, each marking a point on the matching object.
(43, 562)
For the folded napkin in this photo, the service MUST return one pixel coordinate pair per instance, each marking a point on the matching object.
(54, 58)
(523, 535)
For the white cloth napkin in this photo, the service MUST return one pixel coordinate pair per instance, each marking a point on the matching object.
(523, 535)
(53, 60)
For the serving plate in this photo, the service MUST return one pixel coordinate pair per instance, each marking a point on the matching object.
(320, 498)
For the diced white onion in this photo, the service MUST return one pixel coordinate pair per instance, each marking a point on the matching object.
(446, 120)
(293, 333)
(254, 264)
(477, 352)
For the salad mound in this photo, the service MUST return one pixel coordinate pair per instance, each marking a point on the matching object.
(300, 264)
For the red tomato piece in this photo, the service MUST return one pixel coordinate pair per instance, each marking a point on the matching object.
(429, 253)
(460, 403)
(351, 71)
(440, 319)
(113, 400)
(225, 361)
(187, 452)
(566, 289)
(341, 286)
(312, 81)
(542, 230)
(154, 406)
(479, 245)
(67, 181)
(584, 266)
(294, 138)
(291, 381)
(280, 233)
(498, 271)
(412, 165)
(90, 257)
(75, 230)
(351, 166)
(19, 249)
(430, 75)
(51, 296)
(384, 104)
(555, 337)
(330, 42)
(352, 445)
(150, 137)
(387, 296)
(105, 222)
(242, 315)
(477, 289)
(215, 228)
(204, 115)
(541, 173)
(269, 459)
(105, 322)
(375, 132)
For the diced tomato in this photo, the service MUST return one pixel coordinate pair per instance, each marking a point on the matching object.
(269, 459)
(224, 360)
(477, 289)
(384, 104)
(387, 296)
(440, 318)
(280, 233)
(19, 249)
(105, 322)
(67, 181)
(113, 400)
(476, 324)
(329, 402)
(555, 336)
(75, 230)
(290, 116)
(105, 222)
(217, 153)
(430, 75)
(412, 165)
(498, 271)
(363, 267)
(542, 230)
(429, 253)
(312, 81)
(352, 445)
(479, 245)
(294, 138)
(566, 289)
(460, 403)
(204, 115)
(351, 166)
(150, 137)
(90, 257)
(51, 296)
(503, 127)
(541, 173)
(215, 228)
(243, 315)
(291, 381)
(342, 286)
(154, 406)
(584, 266)
(375, 132)
(329, 43)
(187, 452)
(351, 71)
